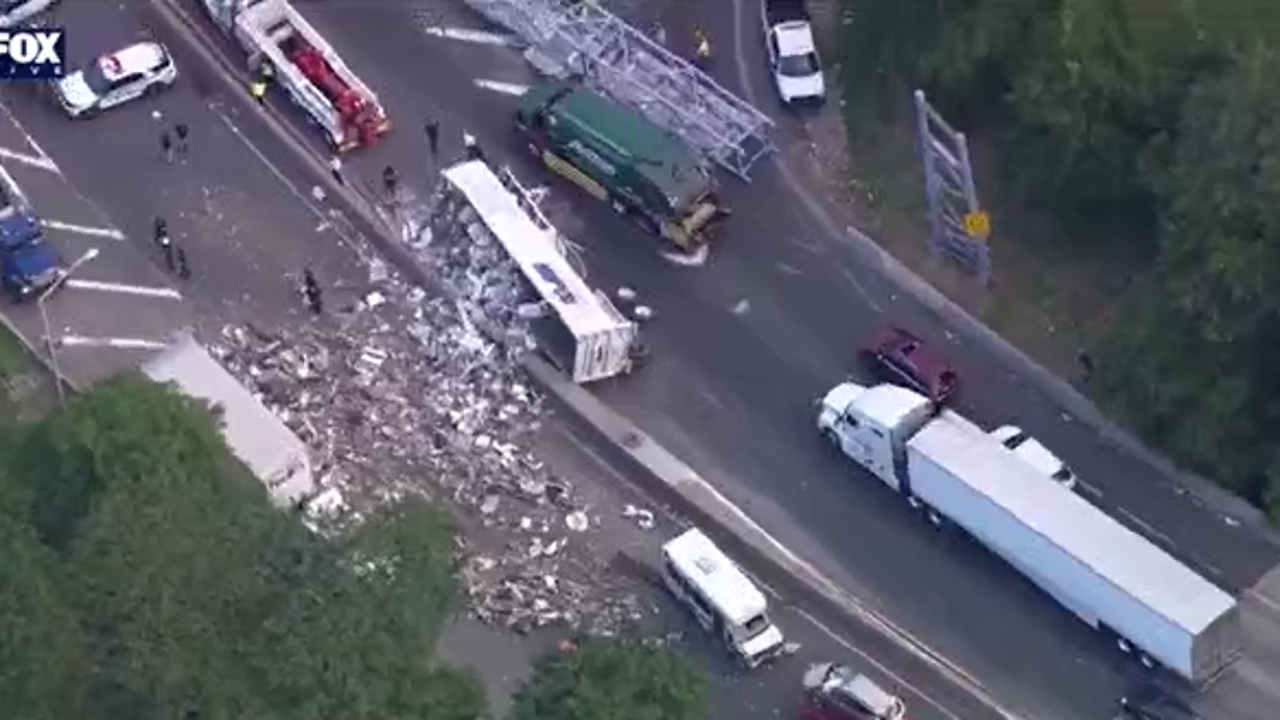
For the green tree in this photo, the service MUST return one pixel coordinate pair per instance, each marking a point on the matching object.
(41, 651)
(1099, 81)
(193, 593)
(1195, 367)
(613, 679)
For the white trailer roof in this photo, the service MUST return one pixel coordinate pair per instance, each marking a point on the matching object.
(534, 250)
(1126, 559)
(719, 578)
(253, 433)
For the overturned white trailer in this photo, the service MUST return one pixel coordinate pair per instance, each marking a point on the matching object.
(271, 451)
(580, 331)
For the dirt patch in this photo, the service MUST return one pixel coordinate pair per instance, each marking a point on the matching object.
(1053, 293)
(26, 391)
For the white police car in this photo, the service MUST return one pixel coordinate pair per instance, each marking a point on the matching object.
(15, 12)
(797, 70)
(117, 78)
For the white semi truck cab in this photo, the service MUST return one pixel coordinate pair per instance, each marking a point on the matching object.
(872, 426)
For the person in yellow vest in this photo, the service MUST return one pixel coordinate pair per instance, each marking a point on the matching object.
(261, 82)
(258, 89)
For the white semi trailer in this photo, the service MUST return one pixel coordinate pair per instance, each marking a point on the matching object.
(1118, 582)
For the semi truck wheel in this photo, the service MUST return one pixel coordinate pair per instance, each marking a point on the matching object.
(935, 518)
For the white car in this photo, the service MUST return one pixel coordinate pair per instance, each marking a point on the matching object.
(793, 57)
(1035, 454)
(117, 78)
(15, 12)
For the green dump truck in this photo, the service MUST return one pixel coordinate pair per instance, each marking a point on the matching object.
(619, 157)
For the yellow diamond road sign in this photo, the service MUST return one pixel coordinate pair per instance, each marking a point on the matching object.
(978, 224)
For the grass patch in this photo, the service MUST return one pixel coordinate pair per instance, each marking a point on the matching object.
(14, 359)
(1054, 288)
(26, 389)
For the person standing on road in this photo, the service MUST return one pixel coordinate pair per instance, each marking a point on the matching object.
(472, 147)
(311, 292)
(335, 169)
(701, 48)
(180, 132)
(390, 182)
(160, 231)
(166, 146)
(433, 137)
(258, 88)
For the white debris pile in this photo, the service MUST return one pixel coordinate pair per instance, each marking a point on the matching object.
(407, 396)
(537, 580)
(453, 242)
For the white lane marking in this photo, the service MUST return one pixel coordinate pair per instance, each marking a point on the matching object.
(12, 186)
(43, 163)
(808, 246)
(853, 280)
(102, 232)
(896, 678)
(479, 37)
(1151, 532)
(115, 343)
(121, 288)
(326, 219)
(1085, 488)
(30, 140)
(697, 258)
(498, 86)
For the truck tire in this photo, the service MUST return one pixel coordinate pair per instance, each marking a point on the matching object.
(935, 518)
(645, 223)
(1147, 661)
(1125, 646)
(830, 436)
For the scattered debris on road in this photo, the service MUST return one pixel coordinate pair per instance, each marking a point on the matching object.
(407, 395)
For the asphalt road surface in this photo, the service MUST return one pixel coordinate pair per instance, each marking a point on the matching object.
(114, 308)
(768, 692)
(247, 228)
(733, 382)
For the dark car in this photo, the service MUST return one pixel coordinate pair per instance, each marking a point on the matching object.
(1149, 702)
(836, 692)
(28, 265)
(904, 359)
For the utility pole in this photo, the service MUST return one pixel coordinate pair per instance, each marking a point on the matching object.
(52, 343)
(959, 226)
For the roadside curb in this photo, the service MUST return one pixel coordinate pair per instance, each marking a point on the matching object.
(1067, 398)
(32, 350)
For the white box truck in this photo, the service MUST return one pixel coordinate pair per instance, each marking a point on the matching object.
(1118, 582)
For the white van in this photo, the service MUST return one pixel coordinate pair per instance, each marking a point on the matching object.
(721, 597)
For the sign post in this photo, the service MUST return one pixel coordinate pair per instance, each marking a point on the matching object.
(959, 226)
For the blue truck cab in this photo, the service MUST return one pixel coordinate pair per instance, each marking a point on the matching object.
(28, 265)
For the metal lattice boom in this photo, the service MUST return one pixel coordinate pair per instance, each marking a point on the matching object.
(581, 39)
